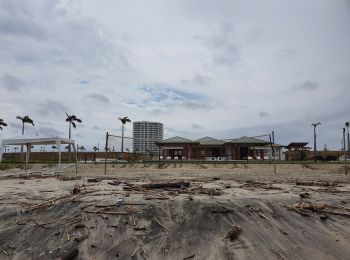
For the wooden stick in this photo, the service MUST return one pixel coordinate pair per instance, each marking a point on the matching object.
(107, 212)
(137, 249)
(4, 252)
(160, 224)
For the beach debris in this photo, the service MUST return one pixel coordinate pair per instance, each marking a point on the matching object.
(71, 254)
(119, 201)
(133, 254)
(160, 224)
(216, 178)
(251, 184)
(156, 198)
(2, 250)
(166, 185)
(234, 233)
(222, 210)
(107, 212)
(76, 189)
(263, 216)
(81, 238)
(139, 228)
(189, 257)
(315, 183)
(114, 182)
(309, 206)
(94, 180)
(77, 226)
(304, 195)
(323, 216)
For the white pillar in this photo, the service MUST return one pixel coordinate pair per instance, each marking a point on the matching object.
(2, 151)
(58, 144)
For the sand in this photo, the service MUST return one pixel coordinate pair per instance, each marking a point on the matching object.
(120, 219)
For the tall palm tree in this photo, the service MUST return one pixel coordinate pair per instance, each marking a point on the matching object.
(71, 119)
(95, 148)
(314, 125)
(2, 123)
(124, 120)
(54, 147)
(25, 120)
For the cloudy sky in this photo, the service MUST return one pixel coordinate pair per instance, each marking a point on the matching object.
(223, 68)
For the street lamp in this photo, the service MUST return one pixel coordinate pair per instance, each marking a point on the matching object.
(315, 147)
(347, 127)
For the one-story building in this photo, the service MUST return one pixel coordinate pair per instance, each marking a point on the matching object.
(208, 148)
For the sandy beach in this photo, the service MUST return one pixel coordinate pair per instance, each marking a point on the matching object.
(177, 211)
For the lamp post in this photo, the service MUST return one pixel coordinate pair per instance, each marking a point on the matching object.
(315, 146)
(347, 127)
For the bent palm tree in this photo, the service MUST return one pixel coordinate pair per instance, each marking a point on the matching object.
(71, 119)
(25, 120)
(2, 123)
(124, 120)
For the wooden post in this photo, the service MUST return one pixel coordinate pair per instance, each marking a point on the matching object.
(106, 149)
(344, 147)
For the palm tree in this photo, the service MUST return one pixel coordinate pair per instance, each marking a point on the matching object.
(315, 146)
(124, 120)
(95, 148)
(72, 122)
(25, 120)
(82, 148)
(54, 147)
(2, 123)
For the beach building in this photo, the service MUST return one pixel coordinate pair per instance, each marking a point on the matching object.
(145, 136)
(208, 148)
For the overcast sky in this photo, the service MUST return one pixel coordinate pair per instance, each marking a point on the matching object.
(201, 67)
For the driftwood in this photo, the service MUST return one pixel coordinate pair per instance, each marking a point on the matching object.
(166, 185)
(189, 257)
(315, 183)
(107, 212)
(160, 224)
(70, 255)
(234, 233)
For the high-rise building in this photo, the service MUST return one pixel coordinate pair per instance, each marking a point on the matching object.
(145, 135)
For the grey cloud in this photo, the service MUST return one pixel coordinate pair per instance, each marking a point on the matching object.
(12, 82)
(196, 126)
(50, 132)
(263, 114)
(224, 49)
(287, 53)
(254, 35)
(198, 80)
(196, 105)
(52, 107)
(98, 97)
(307, 85)
(24, 27)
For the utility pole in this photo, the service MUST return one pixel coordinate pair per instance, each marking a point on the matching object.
(315, 146)
(347, 126)
(344, 147)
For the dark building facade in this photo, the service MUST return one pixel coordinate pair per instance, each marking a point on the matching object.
(208, 148)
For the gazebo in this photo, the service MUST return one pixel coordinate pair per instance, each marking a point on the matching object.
(28, 141)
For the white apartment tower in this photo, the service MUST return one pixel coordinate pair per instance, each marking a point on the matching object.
(145, 135)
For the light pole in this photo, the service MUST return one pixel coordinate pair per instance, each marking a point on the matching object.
(315, 146)
(347, 127)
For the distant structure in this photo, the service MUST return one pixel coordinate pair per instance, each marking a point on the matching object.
(145, 136)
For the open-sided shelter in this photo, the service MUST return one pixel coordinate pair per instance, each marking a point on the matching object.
(29, 141)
